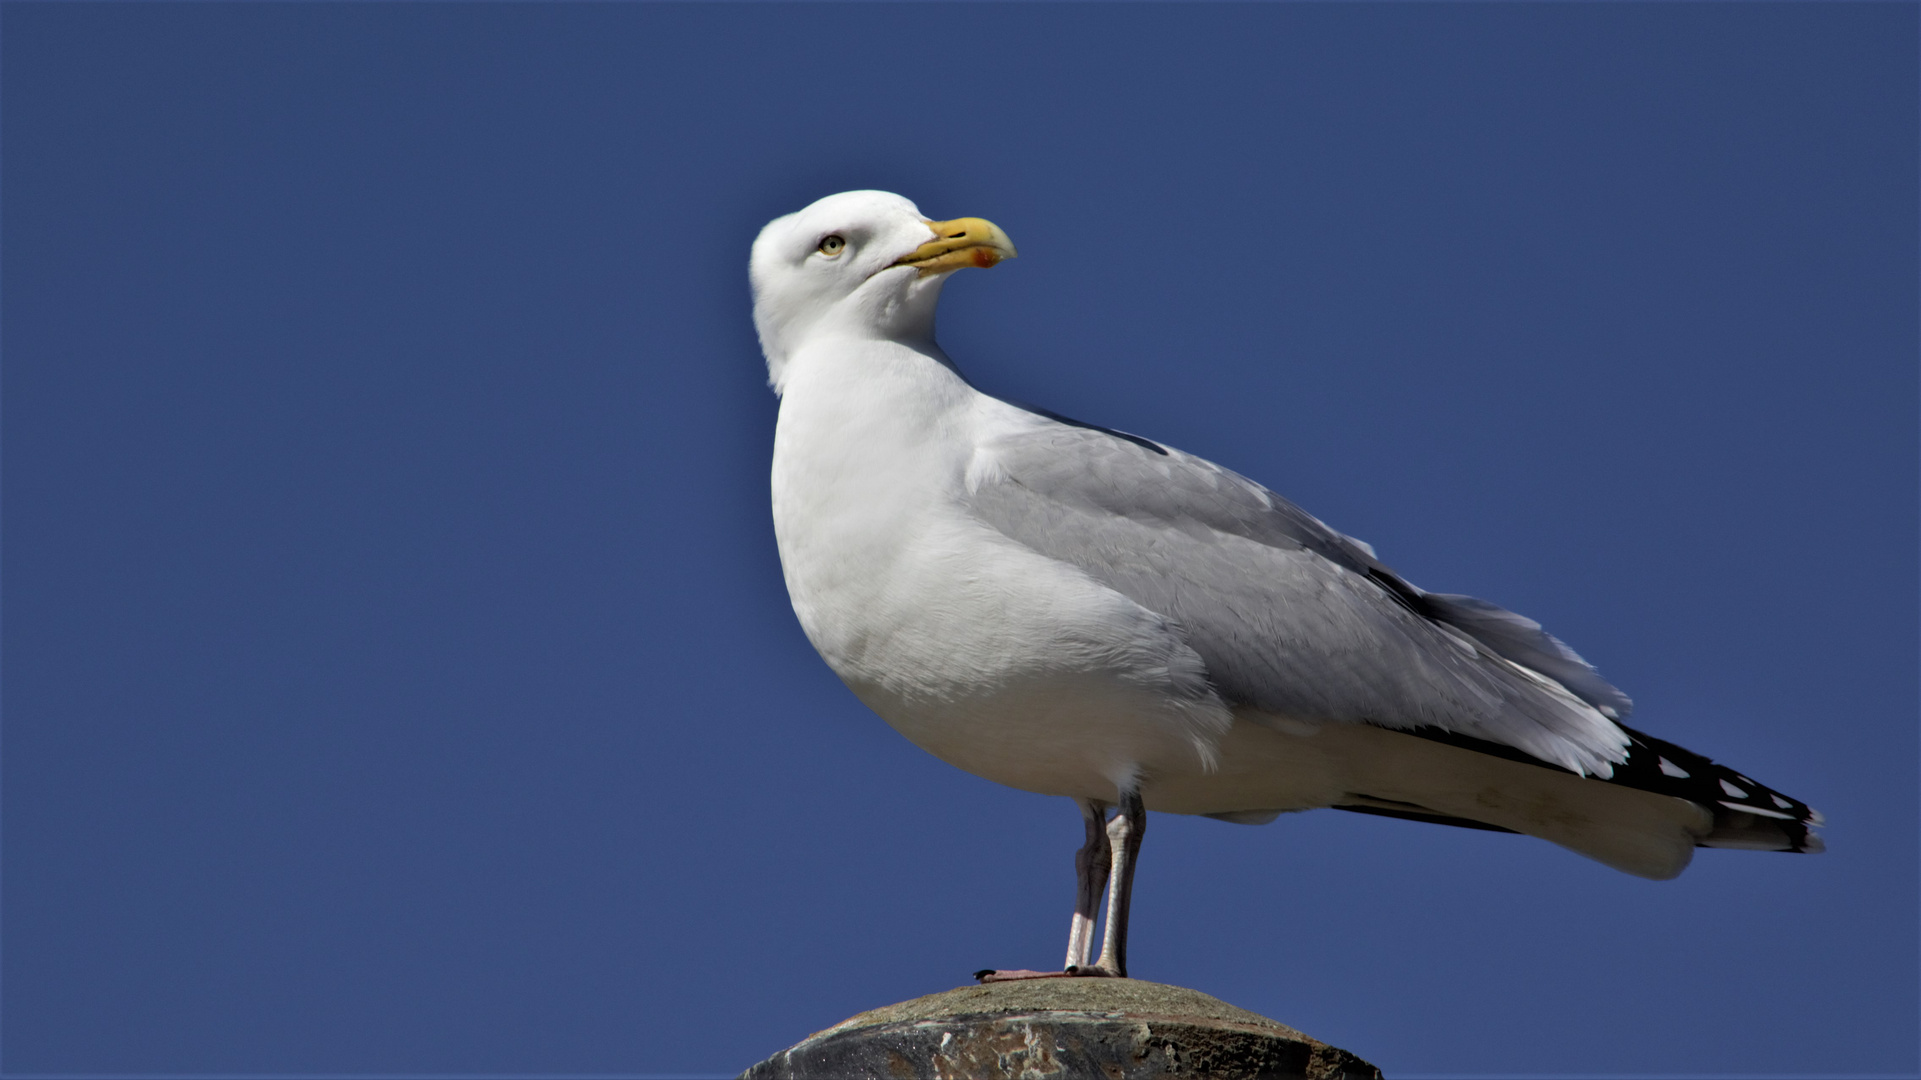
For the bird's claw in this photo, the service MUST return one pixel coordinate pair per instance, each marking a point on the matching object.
(993, 975)
(1078, 971)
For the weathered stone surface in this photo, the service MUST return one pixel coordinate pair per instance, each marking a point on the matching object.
(1062, 1029)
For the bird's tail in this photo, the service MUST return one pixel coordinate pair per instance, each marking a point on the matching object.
(1747, 814)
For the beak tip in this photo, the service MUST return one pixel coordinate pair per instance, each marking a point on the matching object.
(961, 242)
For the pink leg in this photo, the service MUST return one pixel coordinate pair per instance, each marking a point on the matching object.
(1124, 835)
(1093, 864)
(1090, 872)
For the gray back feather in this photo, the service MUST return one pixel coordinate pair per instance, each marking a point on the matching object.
(1291, 617)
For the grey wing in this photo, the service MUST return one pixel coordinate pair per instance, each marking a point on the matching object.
(1292, 618)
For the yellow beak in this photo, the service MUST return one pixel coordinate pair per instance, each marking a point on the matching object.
(968, 241)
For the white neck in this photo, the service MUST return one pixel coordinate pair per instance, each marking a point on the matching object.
(893, 306)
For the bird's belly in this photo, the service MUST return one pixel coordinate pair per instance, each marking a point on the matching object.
(1002, 662)
(1262, 767)
(1084, 735)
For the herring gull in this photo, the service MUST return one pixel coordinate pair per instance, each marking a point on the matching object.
(1072, 610)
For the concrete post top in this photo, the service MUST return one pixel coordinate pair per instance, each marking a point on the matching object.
(1135, 999)
(1062, 1029)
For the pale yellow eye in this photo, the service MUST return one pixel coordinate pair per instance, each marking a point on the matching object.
(832, 246)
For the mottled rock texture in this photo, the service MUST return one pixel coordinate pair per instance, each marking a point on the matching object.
(1062, 1029)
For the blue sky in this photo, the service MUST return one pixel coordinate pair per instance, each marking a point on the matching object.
(399, 674)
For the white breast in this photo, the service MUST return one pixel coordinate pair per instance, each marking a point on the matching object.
(994, 658)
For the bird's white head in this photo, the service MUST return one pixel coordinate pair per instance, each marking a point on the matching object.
(859, 265)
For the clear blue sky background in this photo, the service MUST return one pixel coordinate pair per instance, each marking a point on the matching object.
(398, 671)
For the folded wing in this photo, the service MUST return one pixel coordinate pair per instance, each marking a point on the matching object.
(1291, 617)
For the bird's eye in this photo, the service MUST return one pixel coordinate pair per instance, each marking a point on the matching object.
(832, 246)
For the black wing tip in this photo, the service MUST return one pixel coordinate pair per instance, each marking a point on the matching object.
(1748, 815)
(1741, 831)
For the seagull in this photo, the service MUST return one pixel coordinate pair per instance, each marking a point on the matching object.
(1072, 610)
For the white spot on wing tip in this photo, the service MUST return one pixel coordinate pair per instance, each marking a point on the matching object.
(1669, 768)
(1732, 790)
(1780, 802)
(1756, 810)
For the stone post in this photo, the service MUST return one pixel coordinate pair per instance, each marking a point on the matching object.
(1062, 1029)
